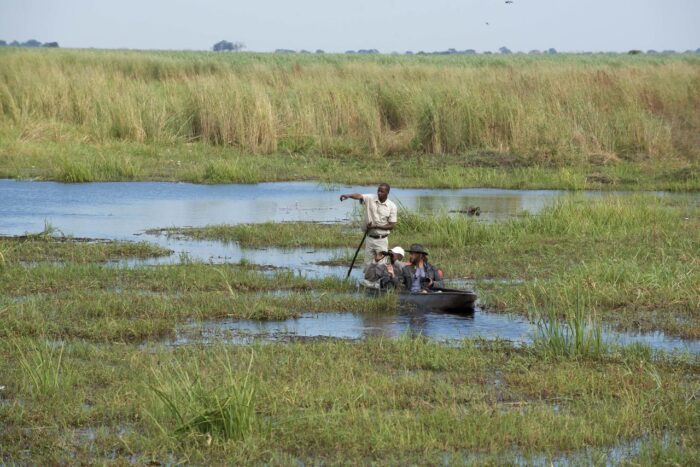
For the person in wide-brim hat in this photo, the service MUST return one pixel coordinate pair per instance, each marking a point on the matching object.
(419, 275)
(418, 248)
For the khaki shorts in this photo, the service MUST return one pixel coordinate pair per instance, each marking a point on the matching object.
(373, 246)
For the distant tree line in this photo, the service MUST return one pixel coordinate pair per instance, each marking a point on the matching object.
(226, 46)
(29, 43)
(502, 50)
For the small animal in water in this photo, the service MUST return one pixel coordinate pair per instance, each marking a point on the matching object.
(470, 211)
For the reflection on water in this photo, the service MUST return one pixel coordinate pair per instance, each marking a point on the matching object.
(124, 210)
(439, 326)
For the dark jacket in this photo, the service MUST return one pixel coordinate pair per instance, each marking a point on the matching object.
(430, 273)
(378, 272)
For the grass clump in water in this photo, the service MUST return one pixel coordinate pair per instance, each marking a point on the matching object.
(224, 410)
(578, 335)
(43, 369)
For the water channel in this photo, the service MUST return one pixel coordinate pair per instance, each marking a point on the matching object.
(125, 210)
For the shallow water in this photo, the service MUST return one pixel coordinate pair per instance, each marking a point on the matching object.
(444, 327)
(124, 210)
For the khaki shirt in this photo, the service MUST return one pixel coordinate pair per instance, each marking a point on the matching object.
(378, 213)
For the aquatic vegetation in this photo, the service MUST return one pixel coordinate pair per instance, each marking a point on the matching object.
(43, 370)
(45, 246)
(381, 400)
(226, 411)
(578, 335)
(284, 234)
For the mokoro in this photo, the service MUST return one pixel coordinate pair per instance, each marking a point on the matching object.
(452, 300)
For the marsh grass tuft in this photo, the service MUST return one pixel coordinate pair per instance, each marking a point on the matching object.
(101, 168)
(578, 335)
(43, 369)
(223, 410)
(230, 171)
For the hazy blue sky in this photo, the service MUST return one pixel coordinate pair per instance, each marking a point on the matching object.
(387, 25)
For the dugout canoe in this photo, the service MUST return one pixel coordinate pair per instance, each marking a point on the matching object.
(450, 300)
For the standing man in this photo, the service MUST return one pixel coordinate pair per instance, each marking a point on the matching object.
(380, 218)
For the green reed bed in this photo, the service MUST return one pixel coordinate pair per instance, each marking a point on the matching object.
(128, 315)
(546, 108)
(98, 115)
(18, 280)
(388, 401)
(35, 248)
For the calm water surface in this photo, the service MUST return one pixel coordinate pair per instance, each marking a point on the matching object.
(124, 210)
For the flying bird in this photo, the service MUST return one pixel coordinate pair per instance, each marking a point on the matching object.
(509, 1)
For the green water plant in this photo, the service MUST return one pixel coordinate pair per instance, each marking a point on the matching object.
(579, 334)
(223, 409)
(42, 367)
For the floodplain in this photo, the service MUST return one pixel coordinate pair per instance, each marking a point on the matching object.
(209, 322)
(111, 357)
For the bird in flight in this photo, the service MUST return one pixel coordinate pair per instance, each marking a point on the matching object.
(509, 1)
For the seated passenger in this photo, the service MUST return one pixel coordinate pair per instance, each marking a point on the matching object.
(385, 270)
(419, 276)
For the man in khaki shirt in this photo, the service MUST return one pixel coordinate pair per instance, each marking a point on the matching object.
(379, 219)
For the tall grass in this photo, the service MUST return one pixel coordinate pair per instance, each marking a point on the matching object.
(43, 369)
(546, 109)
(224, 410)
(578, 335)
(573, 217)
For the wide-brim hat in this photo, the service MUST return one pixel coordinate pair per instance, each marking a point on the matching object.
(418, 248)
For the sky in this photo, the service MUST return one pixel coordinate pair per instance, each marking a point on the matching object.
(334, 26)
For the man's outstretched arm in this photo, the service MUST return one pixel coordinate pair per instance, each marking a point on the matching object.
(356, 196)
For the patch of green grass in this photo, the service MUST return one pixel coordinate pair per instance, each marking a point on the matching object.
(284, 235)
(405, 401)
(633, 259)
(18, 281)
(200, 163)
(225, 411)
(578, 335)
(133, 316)
(44, 247)
(43, 371)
